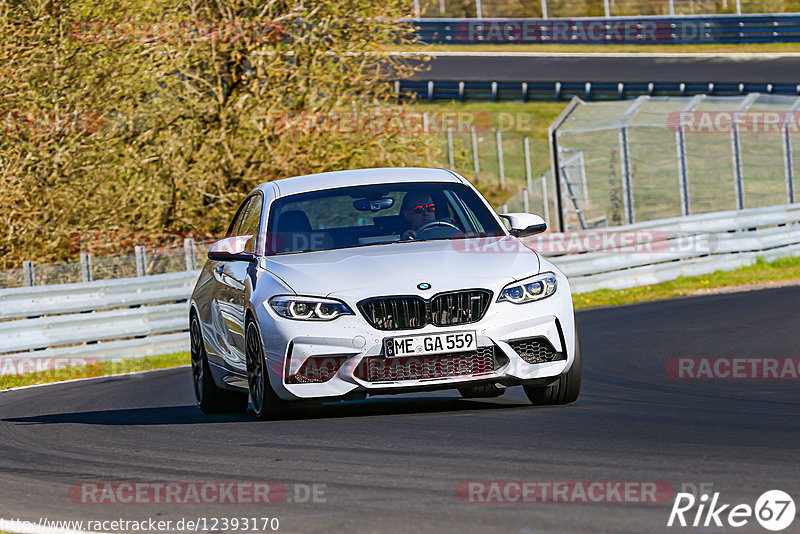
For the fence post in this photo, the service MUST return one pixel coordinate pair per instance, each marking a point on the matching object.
(190, 253)
(28, 274)
(526, 202)
(584, 179)
(608, 10)
(736, 150)
(555, 164)
(737, 165)
(527, 146)
(141, 260)
(416, 9)
(500, 159)
(545, 203)
(627, 189)
(738, 7)
(450, 156)
(671, 8)
(478, 9)
(625, 160)
(86, 266)
(475, 161)
(680, 144)
(787, 152)
(787, 163)
(544, 9)
(683, 170)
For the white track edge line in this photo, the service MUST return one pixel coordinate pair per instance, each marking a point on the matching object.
(93, 378)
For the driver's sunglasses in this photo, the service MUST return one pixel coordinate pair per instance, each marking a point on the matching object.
(423, 207)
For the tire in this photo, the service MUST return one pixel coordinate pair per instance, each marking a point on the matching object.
(266, 403)
(482, 391)
(565, 390)
(210, 397)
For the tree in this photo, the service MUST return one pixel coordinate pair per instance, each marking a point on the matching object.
(159, 116)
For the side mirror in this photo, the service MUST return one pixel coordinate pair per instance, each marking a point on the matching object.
(523, 224)
(231, 249)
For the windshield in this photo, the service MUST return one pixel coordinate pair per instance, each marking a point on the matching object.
(375, 214)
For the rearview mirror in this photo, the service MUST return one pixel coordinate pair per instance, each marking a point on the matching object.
(231, 249)
(373, 205)
(522, 224)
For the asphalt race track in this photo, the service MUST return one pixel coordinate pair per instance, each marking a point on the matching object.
(717, 68)
(392, 464)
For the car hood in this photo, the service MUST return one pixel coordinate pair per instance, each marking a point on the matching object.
(397, 268)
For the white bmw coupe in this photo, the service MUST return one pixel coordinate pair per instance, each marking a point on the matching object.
(341, 285)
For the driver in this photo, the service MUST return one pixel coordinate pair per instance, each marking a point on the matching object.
(418, 209)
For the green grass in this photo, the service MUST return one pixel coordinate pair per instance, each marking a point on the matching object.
(779, 270)
(96, 369)
(516, 120)
(764, 48)
(522, 118)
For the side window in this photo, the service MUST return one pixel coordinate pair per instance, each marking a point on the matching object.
(250, 221)
(233, 230)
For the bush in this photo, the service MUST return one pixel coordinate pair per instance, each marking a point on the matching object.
(159, 116)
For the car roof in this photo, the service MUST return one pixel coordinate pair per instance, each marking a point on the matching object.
(388, 175)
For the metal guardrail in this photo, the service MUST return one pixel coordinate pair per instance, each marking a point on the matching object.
(684, 29)
(523, 91)
(577, 8)
(658, 251)
(148, 315)
(90, 296)
(664, 230)
(43, 327)
(44, 332)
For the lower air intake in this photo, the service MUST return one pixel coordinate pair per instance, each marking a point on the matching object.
(536, 350)
(475, 363)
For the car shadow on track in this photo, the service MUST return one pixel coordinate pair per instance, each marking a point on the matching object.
(398, 406)
(184, 415)
(164, 415)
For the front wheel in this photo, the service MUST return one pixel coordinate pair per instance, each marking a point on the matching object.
(566, 389)
(266, 404)
(210, 398)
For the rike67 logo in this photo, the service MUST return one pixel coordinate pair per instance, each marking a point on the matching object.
(774, 510)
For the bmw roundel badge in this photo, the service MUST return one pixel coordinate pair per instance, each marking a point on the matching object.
(423, 286)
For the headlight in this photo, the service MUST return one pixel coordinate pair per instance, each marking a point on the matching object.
(308, 308)
(537, 287)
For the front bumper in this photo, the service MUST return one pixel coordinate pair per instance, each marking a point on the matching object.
(356, 348)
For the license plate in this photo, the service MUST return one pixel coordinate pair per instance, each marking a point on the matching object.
(430, 344)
